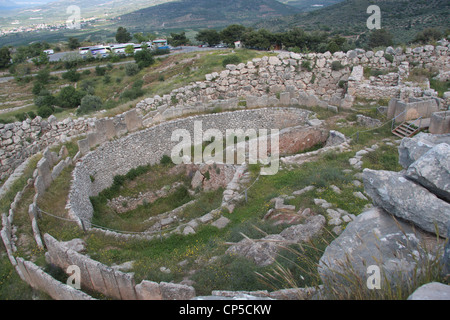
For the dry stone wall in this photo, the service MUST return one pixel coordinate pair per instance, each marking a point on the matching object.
(330, 80)
(97, 169)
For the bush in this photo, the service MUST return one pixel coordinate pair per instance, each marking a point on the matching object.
(100, 71)
(43, 76)
(389, 57)
(45, 112)
(69, 97)
(72, 75)
(90, 103)
(336, 66)
(144, 58)
(31, 114)
(21, 116)
(231, 60)
(306, 65)
(165, 160)
(131, 69)
(45, 99)
(133, 93)
(37, 88)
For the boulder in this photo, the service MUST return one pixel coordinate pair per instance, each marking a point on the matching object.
(411, 149)
(432, 171)
(262, 252)
(305, 232)
(407, 200)
(431, 291)
(173, 291)
(374, 238)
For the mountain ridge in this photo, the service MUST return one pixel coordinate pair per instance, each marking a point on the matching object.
(205, 13)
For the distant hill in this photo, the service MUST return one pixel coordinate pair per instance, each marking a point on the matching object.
(402, 18)
(204, 13)
(50, 11)
(309, 5)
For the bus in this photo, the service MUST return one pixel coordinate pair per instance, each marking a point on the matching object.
(160, 44)
(120, 48)
(102, 51)
(83, 50)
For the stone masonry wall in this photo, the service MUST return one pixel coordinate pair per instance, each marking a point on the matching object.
(97, 169)
(269, 81)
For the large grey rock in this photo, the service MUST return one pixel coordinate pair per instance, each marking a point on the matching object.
(431, 291)
(407, 200)
(305, 232)
(432, 171)
(148, 290)
(174, 291)
(373, 238)
(411, 149)
(262, 252)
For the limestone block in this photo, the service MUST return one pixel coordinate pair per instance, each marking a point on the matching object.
(407, 200)
(148, 290)
(132, 120)
(173, 291)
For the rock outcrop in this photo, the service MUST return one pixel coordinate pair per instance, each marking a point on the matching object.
(410, 206)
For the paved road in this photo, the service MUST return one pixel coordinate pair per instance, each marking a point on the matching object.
(60, 55)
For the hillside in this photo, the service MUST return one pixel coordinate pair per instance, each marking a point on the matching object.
(204, 13)
(56, 11)
(309, 5)
(402, 18)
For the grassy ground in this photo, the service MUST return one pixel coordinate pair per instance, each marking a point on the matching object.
(166, 74)
(200, 257)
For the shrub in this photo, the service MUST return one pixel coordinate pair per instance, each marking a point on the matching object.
(389, 57)
(37, 88)
(306, 65)
(90, 103)
(231, 60)
(100, 71)
(21, 116)
(71, 75)
(131, 69)
(45, 99)
(43, 76)
(31, 114)
(69, 97)
(133, 93)
(144, 58)
(45, 112)
(165, 160)
(336, 66)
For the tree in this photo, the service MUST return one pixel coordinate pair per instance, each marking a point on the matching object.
(144, 58)
(122, 35)
(43, 76)
(5, 57)
(261, 39)
(131, 69)
(41, 59)
(73, 43)
(129, 50)
(209, 36)
(71, 75)
(90, 103)
(232, 33)
(141, 37)
(428, 35)
(178, 39)
(380, 38)
(69, 97)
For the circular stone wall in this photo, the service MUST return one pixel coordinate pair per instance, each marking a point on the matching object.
(96, 171)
